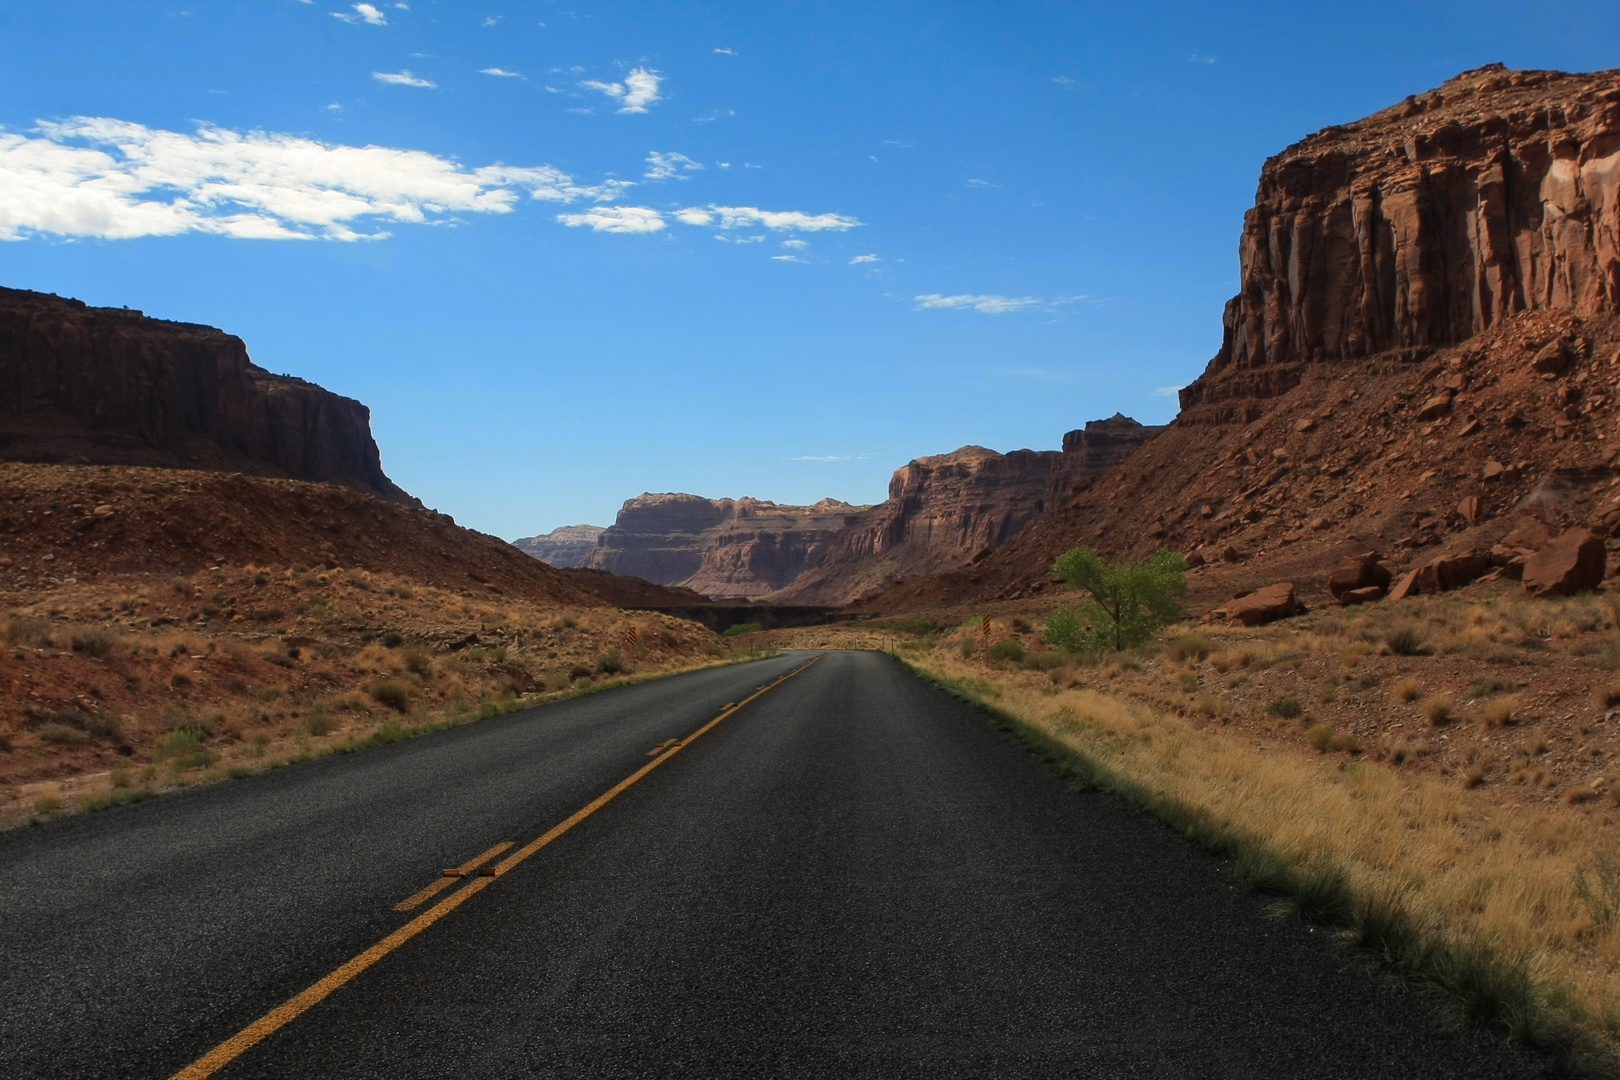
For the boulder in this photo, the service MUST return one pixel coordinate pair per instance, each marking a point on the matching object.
(1471, 509)
(1358, 572)
(1360, 596)
(1449, 572)
(1437, 406)
(1553, 359)
(1264, 605)
(1573, 562)
(1406, 586)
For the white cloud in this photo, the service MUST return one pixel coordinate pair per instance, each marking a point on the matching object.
(639, 89)
(617, 219)
(786, 258)
(490, 20)
(857, 260)
(403, 6)
(693, 215)
(333, 107)
(732, 217)
(664, 166)
(1200, 58)
(92, 176)
(403, 78)
(797, 245)
(1167, 391)
(976, 182)
(1063, 80)
(365, 13)
(500, 72)
(989, 304)
(726, 52)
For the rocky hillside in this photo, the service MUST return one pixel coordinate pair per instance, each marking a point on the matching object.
(953, 509)
(109, 386)
(1424, 356)
(565, 548)
(718, 547)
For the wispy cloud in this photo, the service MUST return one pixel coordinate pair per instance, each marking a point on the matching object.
(1200, 58)
(333, 107)
(501, 72)
(732, 217)
(988, 303)
(976, 182)
(490, 20)
(1167, 391)
(857, 260)
(111, 179)
(403, 78)
(638, 90)
(796, 245)
(616, 219)
(830, 457)
(365, 13)
(1063, 80)
(786, 258)
(726, 52)
(665, 166)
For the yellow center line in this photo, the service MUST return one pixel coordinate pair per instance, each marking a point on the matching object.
(296, 1006)
(448, 878)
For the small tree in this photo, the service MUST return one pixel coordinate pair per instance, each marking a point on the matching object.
(1129, 601)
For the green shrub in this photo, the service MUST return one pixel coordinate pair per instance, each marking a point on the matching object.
(611, 663)
(62, 734)
(969, 644)
(1128, 601)
(27, 630)
(97, 643)
(1008, 649)
(1288, 708)
(392, 694)
(1045, 661)
(260, 580)
(738, 629)
(1321, 736)
(577, 672)
(914, 625)
(1188, 647)
(393, 639)
(1063, 631)
(318, 723)
(1405, 641)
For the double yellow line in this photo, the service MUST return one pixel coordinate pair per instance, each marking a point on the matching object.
(294, 1007)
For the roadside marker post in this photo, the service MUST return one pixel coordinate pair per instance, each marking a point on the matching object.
(630, 639)
(986, 625)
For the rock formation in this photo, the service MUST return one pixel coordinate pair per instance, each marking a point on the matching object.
(565, 548)
(110, 386)
(1425, 225)
(948, 510)
(718, 547)
(1424, 354)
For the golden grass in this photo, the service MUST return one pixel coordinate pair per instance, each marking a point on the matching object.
(1464, 869)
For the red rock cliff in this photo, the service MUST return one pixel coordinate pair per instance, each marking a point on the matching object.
(110, 386)
(1421, 226)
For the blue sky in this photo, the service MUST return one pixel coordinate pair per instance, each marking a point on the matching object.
(570, 252)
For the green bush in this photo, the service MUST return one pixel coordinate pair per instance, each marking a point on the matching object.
(392, 694)
(610, 662)
(914, 625)
(738, 629)
(1008, 649)
(318, 723)
(1287, 708)
(393, 639)
(1128, 601)
(1188, 647)
(969, 644)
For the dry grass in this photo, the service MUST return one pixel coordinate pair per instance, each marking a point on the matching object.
(1406, 690)
(1437, 710)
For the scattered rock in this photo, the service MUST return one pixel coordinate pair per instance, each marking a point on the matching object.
(1449, 572)
(1361, 596)
(1264, 605)
(1194, 560)
(1406, 586)
(1573, 562)
(1231, 554)
(1302, 426)
(1356, 573)
(1553, 359)
(1471, 509)
(1435, 407)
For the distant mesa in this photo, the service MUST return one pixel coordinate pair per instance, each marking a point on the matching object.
(109, 386)
(566, 548)
(942, 512)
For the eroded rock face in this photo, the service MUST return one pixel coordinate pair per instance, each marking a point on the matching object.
(947, 510)
(718, 547)
(566, 548)
(110, 386)
(1424, 225)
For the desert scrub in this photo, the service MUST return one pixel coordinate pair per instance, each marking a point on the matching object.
(1285, 708)
(1437, 709)
(1405, 641)
(1008, 650)
(1187, 647)
(611, 662)
(393, 694)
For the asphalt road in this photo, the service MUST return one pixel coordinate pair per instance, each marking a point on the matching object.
(852, 875)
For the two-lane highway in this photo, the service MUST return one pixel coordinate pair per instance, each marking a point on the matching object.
(850, 874)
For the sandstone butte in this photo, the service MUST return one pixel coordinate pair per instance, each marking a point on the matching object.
(1423, 355)
(943, 511)
(109, 386)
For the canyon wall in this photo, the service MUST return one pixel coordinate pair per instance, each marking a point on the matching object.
(951, 509)
(566, 548)
(718, 547)
(109, 386)
(1422, 226)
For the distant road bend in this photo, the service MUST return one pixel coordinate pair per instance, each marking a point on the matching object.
(814, 865)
